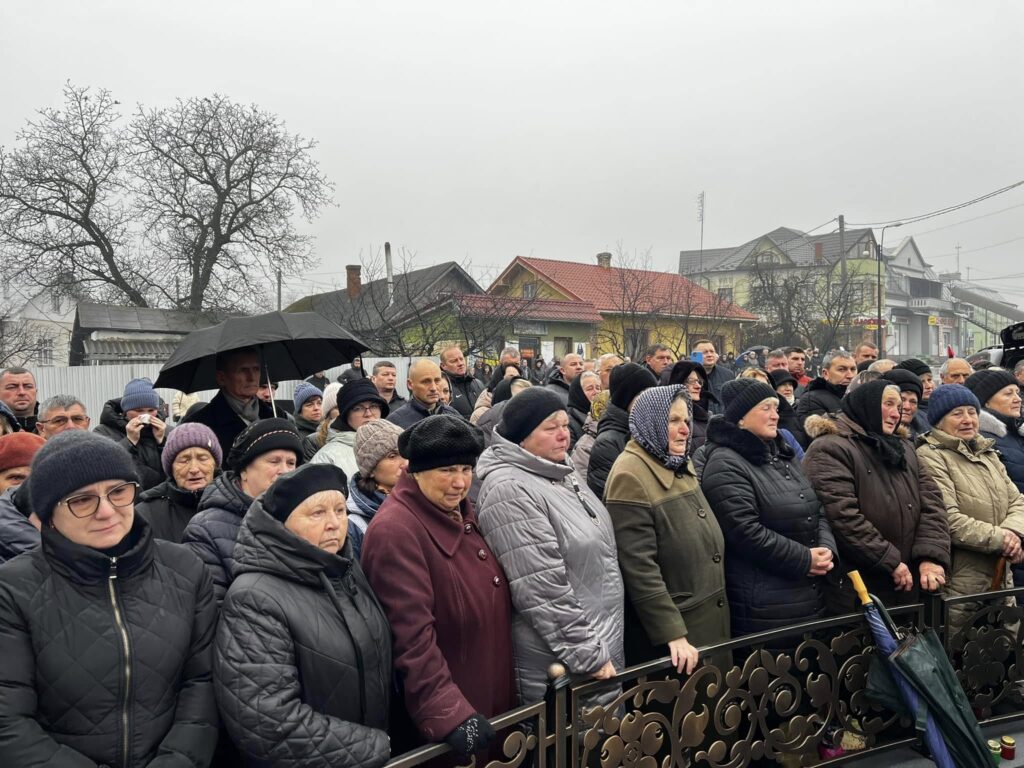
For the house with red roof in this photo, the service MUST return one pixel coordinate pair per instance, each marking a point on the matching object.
(637, 307)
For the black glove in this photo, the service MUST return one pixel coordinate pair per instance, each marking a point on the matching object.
(472, 736)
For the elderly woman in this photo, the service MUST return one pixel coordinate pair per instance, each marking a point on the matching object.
(106, 635)
(778, 544)
(985, 508)
(359, 403)
(303, 658)
(190, 460)
(555, 541)
(886, 511)
(328, 413)
(669, 546)
(693, 376)
(380, 466)
(263, 451)
(442, 589)
(582, 391)
(1000, 417)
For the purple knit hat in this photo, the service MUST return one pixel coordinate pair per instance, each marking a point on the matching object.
(189, 435)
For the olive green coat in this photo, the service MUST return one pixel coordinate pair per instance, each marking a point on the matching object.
(981, 502)
(670, 552)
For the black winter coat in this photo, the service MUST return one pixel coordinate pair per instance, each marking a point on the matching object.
(145, 455)
(212, 532)
(771, 518)
(819, 399)
(168, 509)
(303, 662)
(222, 419)
(17, 534)
(1009, 436)
(465, 391)
(612, 436)
(106, 660)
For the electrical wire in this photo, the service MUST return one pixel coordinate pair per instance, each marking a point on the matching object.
(982, 248)
(965, 221)
(941, 211)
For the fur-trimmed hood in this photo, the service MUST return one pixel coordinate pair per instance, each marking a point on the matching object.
(817, 426)
(746, 444)
(997, 425)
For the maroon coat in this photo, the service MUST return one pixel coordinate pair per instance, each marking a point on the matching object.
(450, 609)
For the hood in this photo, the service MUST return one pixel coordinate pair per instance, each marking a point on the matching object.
(746, 444)
(168, 489)
(577, 398)
(998, 425)
(558, 379)
(615, 419)
(264, 545)
(113, 417)
(816, 426)
(504, 453)
(225, 493)
(345, 438)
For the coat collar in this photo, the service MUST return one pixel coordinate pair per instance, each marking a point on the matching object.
(86, 565)
(971, 449)
(665, 476)
(749, 446)
(445, 532)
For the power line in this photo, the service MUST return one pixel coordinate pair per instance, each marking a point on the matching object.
(941, 211)
(966, 221)
(982, 248)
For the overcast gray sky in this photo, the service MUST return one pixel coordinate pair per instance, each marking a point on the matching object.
(484, 130)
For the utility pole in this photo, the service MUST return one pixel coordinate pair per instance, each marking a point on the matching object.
(958, 257)
(279, 290)
(844, 293)
(700, 217)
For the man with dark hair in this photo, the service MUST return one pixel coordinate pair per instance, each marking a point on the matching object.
(384, 378)
(319, 380)
(235, 406)
(657, 358)
(824, 394)
(465, 388)
(718, 375)
(354, 372)
(797, 357)
(18, 391)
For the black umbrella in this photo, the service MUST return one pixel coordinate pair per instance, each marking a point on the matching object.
(292, 345)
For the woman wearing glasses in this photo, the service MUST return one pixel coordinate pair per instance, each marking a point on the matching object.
(359, 403)
(105, 633)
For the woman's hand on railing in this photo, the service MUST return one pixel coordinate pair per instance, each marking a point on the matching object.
(607, 672)
(684, 656)
(933, 576)
(821, 561)
(903, 578)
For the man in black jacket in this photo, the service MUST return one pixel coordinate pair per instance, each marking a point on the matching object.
(384, 377)
(465, 387)
(626, 382)
(559, 381)
(824, 394)
(235, 406)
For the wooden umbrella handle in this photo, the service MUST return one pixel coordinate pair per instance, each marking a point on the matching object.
(859, 587)
(999, 576)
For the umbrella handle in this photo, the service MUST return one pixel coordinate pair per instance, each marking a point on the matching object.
(859, 587)
(999, 576)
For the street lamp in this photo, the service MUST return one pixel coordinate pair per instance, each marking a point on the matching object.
(881, 295)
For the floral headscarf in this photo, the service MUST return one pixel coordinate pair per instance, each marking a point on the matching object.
(648, 422)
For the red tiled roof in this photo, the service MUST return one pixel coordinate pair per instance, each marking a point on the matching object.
(615, 289)
(530, 309)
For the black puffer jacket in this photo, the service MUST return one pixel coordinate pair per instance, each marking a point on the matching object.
(578, 409)
(612, 436)
(465, 391)
(72, 678)
(819, 399)
(17, 534)
(303, 663)
(771, 518)
(145, 455)
(212, 532)
(168, 509)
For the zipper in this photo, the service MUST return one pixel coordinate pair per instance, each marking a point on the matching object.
(123, 630)
(583, 501)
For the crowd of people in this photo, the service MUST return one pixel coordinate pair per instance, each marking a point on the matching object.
(193, 583)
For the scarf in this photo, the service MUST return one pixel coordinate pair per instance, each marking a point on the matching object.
(361, 504)
(248, 410)
(863, 406)
(648, 423)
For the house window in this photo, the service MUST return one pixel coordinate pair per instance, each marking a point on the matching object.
(563, 346)
(529, 290)
(725, 294)
(44, 352)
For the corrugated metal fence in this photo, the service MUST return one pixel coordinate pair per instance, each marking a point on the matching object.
(95, 384)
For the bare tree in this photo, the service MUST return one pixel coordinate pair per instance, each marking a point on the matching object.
(22, 343)
(191, 206)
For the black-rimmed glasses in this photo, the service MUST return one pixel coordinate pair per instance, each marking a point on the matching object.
(86, 504)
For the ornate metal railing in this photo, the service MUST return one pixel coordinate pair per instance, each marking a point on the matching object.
(775, 695)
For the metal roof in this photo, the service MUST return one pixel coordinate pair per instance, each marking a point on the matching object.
(128, 351)
(110, 317)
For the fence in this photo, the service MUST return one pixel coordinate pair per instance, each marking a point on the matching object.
(765, 702)
(94, 385)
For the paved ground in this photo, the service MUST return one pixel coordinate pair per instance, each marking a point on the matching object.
(908, 758)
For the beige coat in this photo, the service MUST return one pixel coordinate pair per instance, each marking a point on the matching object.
(981, 502)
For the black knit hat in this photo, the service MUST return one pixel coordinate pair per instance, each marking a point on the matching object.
(441, 441)
(503, 391)
(987, 382)
(905, 380)
(262, 437)
(778, 378)
(740, 395)
(292, 488)
(352, 394)
(915, 366)
(525, 412)
(72, 460)
(627, 381)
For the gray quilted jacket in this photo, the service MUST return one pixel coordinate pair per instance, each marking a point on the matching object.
(556, 544)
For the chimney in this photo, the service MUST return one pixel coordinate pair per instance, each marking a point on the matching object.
(604, 260)
(353, 284)
(819, 253)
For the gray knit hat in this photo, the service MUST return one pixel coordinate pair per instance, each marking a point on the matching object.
(139, 393)
(72, 460)
(373, 442)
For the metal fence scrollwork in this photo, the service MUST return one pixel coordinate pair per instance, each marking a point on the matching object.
(775, 696)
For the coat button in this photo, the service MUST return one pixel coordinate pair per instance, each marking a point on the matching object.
(801, 495)
(717, 558)
(809, 519)
(869, 471)
(701, 513)
(468, 528)
(496, 581)
(721, 603)
(482, 554)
